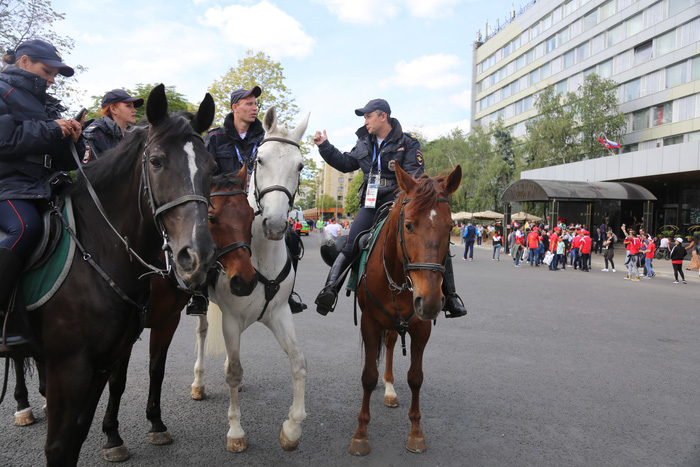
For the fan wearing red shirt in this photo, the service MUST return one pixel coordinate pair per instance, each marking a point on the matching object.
(634, 244)
(575, 250)
(585, 248)
(649, 255)
(533, 243)
(553, 240)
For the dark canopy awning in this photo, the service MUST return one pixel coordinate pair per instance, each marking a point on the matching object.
(545, 190)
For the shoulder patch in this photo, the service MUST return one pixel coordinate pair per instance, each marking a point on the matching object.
(411, 135)
(419, 159)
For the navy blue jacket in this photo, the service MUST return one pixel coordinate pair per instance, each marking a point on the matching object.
(403, 148)
(100, 135)
(222, 142)
(27, 133)
(469, 234)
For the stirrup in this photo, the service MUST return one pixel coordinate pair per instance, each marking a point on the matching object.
(297, 306)
(456, 312)
(197, 306)
(326, 300)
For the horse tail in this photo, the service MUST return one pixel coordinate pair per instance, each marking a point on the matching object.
(380, 350)
(215, 335)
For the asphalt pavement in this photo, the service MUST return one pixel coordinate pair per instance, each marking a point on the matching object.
(547, 369)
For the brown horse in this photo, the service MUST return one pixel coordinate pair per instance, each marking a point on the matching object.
(400, 290)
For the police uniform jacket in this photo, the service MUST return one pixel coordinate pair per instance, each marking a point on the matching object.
(398, 148)
(222, 143)
(100, 135)
(30, 139)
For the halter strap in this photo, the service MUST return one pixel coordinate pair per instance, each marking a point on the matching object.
(269, 189)
(235, 245)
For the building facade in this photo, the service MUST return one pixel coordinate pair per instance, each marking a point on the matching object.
(335, 184)
(650, 47)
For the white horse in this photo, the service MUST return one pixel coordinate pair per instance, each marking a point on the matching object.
(274, 181)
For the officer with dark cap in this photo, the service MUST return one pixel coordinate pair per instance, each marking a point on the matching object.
(119, 112)
(380, 146)
(233, 146)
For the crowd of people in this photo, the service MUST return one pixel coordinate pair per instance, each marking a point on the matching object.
(573, 245)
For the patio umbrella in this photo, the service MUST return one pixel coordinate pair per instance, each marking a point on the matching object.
(523, 216)
(490, 215)
(461, 215)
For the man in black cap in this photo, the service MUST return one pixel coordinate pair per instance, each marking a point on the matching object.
(233, 146)
(119, 112)
(380, 146)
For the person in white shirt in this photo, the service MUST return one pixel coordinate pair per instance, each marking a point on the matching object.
(333, 228)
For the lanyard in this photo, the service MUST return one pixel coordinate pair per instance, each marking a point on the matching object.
(238, 153)
(377, 158)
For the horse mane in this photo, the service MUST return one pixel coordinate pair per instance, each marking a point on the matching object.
(426, 194)
(116, 164)
(227, 182)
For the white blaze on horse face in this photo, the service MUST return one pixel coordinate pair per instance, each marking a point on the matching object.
(433, 213)
(192, 161)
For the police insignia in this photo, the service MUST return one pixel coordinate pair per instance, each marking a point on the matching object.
(419, 159)
(86, 156)
(392, 165)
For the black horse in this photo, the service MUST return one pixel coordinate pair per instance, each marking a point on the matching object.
(153, 189)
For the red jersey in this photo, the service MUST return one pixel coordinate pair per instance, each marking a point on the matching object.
(651, 247)
(586, 243)
(576, 242)
(533, 240)
(634, 244)
(553, 239)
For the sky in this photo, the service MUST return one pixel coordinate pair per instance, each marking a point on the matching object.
(336, 54)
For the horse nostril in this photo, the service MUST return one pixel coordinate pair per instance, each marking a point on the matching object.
(188, 259)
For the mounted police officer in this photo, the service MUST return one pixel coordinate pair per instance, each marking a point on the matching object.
(233, 146)
(119, 111)
(380, 146)
(34, 145)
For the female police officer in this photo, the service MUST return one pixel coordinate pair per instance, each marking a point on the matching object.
(381, 144)
(34, 144)
(119, 111)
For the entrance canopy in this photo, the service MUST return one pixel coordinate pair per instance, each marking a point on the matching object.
(546, 190)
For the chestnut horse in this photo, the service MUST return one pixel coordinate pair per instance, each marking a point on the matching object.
(148, 194)
(400, 289)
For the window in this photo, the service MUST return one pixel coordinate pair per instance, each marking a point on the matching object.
(560, 87)
(530, 56)
(518, 107)
(631, 89)
(569, 7)
(671, 140)
(550, 44)
(642, 53)
(545, 71)
(582, 52)
(340, 198)
(527, 103)
(615, 35)
(666, 43)
(535, 31)
(547, 22)
(588, 71)
(640, 120)
(607, 10)
(568, 59)
(516, 44)
(534, 76)
(590, 20)
(695, 69)
(675, 6)
(505, 92)
(562, 37)
(635, 24)
(662, 114)
(506, 50)
(340, 189)
(694, 136)
(605, 69)
(514, 87)
(676, 74)
(630, 148)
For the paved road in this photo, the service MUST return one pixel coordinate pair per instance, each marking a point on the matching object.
(548, 368)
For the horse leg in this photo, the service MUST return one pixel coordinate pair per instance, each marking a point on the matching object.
(235, 438)
(282, 327)
(390, 398)
(371, 336)
(161, 337)
(419, 339)
(114, 450)
(73, 391)
(197, 391)
(23, 415)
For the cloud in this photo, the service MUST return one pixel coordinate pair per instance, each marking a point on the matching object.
(431, 132)
(462, 100)
(282, 35)
(429, 71)
(372, 12)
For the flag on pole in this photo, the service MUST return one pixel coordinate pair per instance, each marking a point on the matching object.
(607, 143)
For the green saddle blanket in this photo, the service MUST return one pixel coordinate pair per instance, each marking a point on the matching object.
(39, 285)
(357, 271)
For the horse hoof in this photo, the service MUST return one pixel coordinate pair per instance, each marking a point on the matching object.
(198, 393)
(24, 418)
(359, 447)
(236, 444)
(391, 401)
(286, 444)
(160, 437)
(117, 454)
(416, 445)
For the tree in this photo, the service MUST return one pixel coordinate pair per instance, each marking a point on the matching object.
(22, 20)
(351, 204)
(176, 100)
(596, 107)
(445, 152)
(255, 69)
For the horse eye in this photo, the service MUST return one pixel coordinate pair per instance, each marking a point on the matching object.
(301, 167)
(212, 220)
(409, 227)
(155, 162)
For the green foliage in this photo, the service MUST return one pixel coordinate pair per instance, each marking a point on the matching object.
(255, 69)
(351, 204)
(22, 20)
(326, 201)
(176, 100)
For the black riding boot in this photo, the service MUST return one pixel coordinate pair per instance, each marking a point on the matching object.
(295, 250)
(199, 303)
(454, 306)
(328, 296)
(10, 266)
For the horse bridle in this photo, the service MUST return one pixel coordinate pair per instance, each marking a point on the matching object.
(269, 189)
(231, 246)
(405, 260)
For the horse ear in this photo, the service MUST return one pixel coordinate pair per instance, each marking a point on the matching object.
(453, 180)
(406, 182)
(157, 105)
(298, 132)
(205, 115)
(243, 175)
(270, 120)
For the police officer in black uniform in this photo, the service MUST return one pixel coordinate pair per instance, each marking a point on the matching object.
(118, 110)
(233, 146)
(381, 144)
(34, 145)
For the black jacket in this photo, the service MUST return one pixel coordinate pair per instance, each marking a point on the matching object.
(222, 142)
(100, 135)
(398, 146)
(678, 252)
(28, 133)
